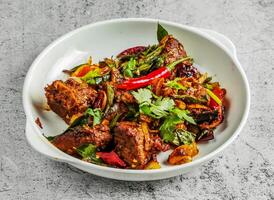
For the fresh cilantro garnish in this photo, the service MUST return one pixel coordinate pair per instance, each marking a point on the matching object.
(170, 134)
(183, 137)
(175, 84)
(163, 107)
(184, 114)
(96, 114)
(168, 127)
(88, 152)
(165, 103)
(155, 108)
(143, 95)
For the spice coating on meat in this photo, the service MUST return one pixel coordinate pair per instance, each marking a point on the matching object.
(99, 135)
(69, 98)
(133, 144)
(173, 49)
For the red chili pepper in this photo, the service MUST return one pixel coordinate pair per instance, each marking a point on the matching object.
(220, 93)
(131, 51)
(162, 72)
(111, 158)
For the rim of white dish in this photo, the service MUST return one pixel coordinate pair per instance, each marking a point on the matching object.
(26, 103)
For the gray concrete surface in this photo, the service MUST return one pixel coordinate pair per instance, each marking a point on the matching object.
(245, 170)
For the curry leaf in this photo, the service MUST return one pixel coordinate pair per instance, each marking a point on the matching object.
(130, 67)
(88, 151)
(96, 114)
(50, 138)
(161, 32)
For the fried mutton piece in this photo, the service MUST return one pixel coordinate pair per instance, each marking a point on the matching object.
(133, 143)
(69, 98)
(99, 135)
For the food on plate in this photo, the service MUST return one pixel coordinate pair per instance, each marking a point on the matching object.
(123, 111)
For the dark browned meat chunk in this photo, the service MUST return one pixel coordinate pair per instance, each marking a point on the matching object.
(99, 135)
(124, 96)
(117, 109)
(69, 98)
(133, 143)
(173, 49)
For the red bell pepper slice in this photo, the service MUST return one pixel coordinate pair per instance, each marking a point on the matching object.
(220, 93)
(111, 158)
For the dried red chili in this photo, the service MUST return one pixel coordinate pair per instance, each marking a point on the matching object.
(131, 51)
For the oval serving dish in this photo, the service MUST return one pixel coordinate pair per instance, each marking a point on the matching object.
(212, 52)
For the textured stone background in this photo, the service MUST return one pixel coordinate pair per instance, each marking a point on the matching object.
(245, 170)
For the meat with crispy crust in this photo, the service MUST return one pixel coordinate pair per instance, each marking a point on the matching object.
(173, 49)
(133, 143)
(99, 135)
(69, 98)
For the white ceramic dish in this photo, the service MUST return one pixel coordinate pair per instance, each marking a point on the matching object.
(212, 51)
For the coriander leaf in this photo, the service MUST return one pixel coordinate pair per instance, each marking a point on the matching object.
(156, 109)
(175, 84)
(183, 137)
(161, 32)
(169, 133)
(96, 114)
(161, 106)
(143, 95)
(88, 151)
(165, 103)
(183, 114)
(144, 108)
(156, 112)
(168, 127)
